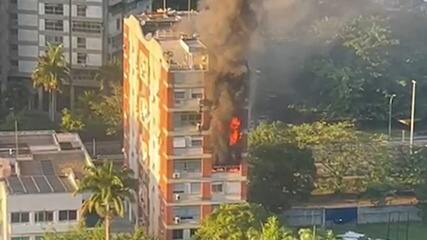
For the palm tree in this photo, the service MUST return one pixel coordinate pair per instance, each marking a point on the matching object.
(109, 188)
(50, 71)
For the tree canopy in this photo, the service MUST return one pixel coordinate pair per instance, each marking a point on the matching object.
(109, 188)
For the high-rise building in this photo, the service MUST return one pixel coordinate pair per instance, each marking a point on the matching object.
(166, 128)
(27, 26)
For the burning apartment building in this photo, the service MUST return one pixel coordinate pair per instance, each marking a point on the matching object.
(185, 120)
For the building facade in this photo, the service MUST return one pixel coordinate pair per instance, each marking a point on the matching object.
(95, 25)
(166, 128)
(39, 172)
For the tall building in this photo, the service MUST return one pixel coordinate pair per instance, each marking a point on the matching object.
(4, 41)
(166, 128)
(96, 28)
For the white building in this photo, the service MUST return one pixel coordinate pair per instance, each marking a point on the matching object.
(36, 191)
(96, 27)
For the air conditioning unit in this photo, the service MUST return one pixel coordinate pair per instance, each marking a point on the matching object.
(177, 197)
(177, 220)
(176, 175)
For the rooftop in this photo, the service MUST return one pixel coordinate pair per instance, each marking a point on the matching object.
(47, 162)
(39, 184)
(181, 50)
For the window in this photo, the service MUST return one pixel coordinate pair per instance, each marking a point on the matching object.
(43, 216)
(53, 25)
(186, 119)
(52, 8)
(177, 234)
(189, 166)
(179, 142)
(217, 188)
(14, 47)
(53, 39)
(20, 238)
(20, 217)
(86, 27)
(179, 188)
(67, 215)
(179, 96)
(197, 93)
(14, 63)
(118, 23)
(196, 141)
(81, 58)
(81, 42)
(81, 10)
(195, 188)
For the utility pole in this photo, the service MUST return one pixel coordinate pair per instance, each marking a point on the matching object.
(16, 139)
(70, 52)
(164, 5)
(411, 137)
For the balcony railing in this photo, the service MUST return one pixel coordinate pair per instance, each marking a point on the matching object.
(188, 151)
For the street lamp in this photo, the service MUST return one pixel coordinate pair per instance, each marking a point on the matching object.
(390, 108)
(411, 137)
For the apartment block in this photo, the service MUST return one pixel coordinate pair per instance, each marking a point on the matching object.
(166, 128)
(93, 26)
(39, 172)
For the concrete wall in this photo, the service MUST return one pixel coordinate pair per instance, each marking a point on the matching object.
(385, 214)
(304, 217)
(315, 216)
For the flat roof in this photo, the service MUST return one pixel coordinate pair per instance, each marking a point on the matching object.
(40, 184)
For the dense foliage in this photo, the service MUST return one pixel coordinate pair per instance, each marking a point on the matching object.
(345, 67)
(294, 160)
(251, 222)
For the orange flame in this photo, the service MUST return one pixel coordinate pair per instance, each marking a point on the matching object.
(234, 130)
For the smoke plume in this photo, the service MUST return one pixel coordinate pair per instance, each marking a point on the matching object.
(239, 33)
(226, 29)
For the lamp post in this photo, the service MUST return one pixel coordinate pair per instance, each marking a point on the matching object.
(390, 109)
(411, 137)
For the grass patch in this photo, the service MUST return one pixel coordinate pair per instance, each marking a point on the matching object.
(414, 231)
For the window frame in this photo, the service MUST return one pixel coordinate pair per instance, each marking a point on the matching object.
(43, 216)
(81, 10)
(20, 217)
(68, 213)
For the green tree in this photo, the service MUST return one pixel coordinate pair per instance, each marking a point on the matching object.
(109, 109)
(50, 72)
(232, 222)
(271, 230)
(345, 159)
(70, 123)
(348, 77)
(109, 188)
(281, 173)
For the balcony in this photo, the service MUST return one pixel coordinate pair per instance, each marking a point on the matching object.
(187, 104)
(186, 198)
(194, 151)
(226, 198)
(188, 78)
